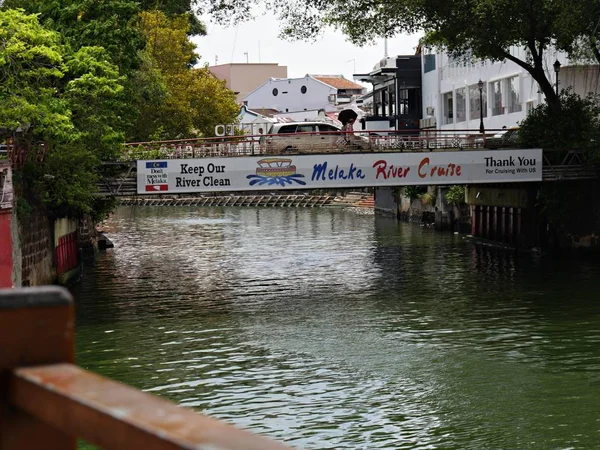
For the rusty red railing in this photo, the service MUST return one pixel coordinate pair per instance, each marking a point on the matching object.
(66, 253)
(47, 402)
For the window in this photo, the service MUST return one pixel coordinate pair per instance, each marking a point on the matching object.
(461, 105)
(305, 129)
(514, 95)
(447, 108)
(497, 105)
(275, 92)
(327, 128)
(474, 101)
(429, 63)
(287, 129)
(303, 89)
(529, 107)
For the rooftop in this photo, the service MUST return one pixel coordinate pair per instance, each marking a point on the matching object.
(337, 81)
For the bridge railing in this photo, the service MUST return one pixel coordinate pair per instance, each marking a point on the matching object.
(47, 402)
(301, 143)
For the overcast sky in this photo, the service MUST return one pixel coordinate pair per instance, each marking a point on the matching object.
(330, 55)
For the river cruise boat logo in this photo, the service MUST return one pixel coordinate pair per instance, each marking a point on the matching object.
(275, 171)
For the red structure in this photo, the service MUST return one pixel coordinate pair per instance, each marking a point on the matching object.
(6, 245)
(6, 262)
(66, 253)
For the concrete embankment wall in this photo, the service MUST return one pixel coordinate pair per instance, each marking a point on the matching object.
(430, 209)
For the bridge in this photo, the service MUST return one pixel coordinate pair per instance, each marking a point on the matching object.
(255, 164)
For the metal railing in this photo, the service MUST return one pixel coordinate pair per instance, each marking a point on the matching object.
(47, 402)
(302, 143)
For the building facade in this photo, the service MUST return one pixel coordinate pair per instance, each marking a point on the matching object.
(395, 100)
(244, 78)
(452, 94)
(319, 92)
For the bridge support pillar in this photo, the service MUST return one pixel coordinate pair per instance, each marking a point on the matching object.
(503, 214)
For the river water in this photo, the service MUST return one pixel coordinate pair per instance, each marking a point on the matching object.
(331, 329)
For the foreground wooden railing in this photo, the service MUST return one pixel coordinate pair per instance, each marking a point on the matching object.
(47, 402)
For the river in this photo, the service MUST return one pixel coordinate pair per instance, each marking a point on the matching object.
(326, 328)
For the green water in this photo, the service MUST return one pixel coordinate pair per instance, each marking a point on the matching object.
(326, 328)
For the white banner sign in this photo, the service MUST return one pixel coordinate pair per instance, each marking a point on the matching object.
(338, 171)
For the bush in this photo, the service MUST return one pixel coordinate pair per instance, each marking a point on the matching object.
(576, 126)
(414, 192)
(456, 195)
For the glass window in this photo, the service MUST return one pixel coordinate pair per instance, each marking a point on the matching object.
(461, 105)
(447, 108)
(429, 64)
(497, 104)
(287, 129)
(306, 129)
(474, 101)
(275, 92)
(514, 95)
(328, 128)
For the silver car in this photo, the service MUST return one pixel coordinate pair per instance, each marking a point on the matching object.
(307, 137)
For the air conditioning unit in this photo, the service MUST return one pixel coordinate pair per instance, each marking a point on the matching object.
(430, 110)
(430, 122)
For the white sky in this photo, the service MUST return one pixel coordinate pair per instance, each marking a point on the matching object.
(331, 54)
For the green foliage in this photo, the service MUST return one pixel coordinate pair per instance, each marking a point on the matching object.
(60, 107)
(184, 102)
(576, 126)
(111, 24)
(31, 65)
(414, 192)
(473, 29)
(133, 153)
(427, 198)
(94, 94)
(456, 195)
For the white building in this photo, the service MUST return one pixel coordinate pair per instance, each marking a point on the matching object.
(451, 97)
(318, 92)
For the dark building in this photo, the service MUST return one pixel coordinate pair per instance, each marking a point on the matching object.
(396, 94)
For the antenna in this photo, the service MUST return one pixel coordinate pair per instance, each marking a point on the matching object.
(246, 53)
(354, 65)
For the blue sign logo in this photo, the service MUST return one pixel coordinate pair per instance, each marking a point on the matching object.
(156, 165)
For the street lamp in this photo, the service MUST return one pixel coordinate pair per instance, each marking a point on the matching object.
(481, 127)
(556, 70)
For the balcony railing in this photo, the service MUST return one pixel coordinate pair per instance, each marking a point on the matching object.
(47, 402)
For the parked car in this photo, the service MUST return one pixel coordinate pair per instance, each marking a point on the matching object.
(308, 137)
(505, 138)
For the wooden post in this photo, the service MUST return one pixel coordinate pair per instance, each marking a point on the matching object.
(494, 228)
(487, 222)
(511, 225)
(518, 227)
(36, 327)
(474, 220)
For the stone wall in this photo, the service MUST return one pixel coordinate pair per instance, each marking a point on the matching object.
(35, 255)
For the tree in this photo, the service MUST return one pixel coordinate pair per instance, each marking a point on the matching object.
(31, 66)
(177, 8)
(482, 29)
(194, 101)
(60, 102)
(112, 24)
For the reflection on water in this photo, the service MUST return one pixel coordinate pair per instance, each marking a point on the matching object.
(329, 329)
